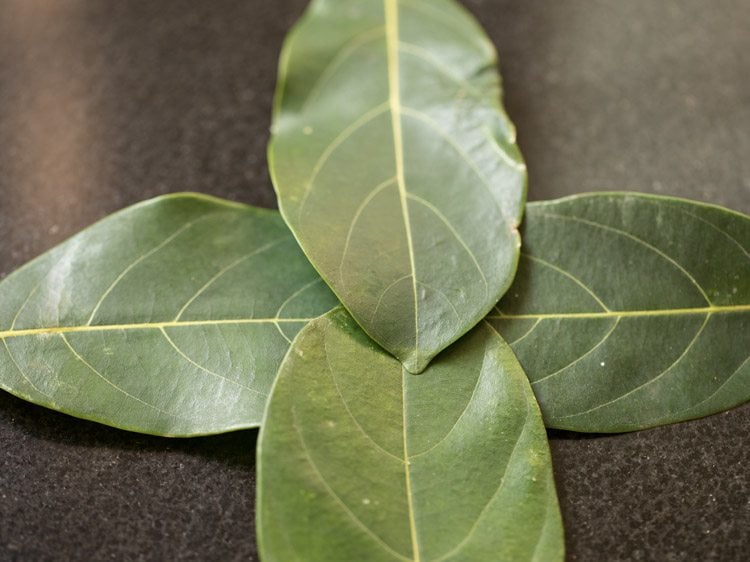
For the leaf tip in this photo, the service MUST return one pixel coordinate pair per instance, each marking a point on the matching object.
(415, 363)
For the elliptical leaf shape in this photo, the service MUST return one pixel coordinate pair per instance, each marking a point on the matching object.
(360, 460)
(631, 311)
(170, 317)
(559, 331)
(397, 169)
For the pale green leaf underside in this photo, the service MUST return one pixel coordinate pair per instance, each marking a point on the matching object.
(397, 169)
(170, 317)
(360, 460)
(631, 311)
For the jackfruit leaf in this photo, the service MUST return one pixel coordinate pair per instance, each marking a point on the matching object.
(360, 460)
(170, 317)
(631, 311)
(396, 167)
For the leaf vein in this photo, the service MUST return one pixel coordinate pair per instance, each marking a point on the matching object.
(344, 403)
(496, 494)
(294, 295)
(138, 260)
(638, 241)
(426, 56)
(688, 347)
(733, 309)
(337, 499)
(721, 231)
(448, 20)
(146, 326)
(455, 233)
(362, 206)
(338, 141)
(108, 381)
(430, 122)
(582, 357)
(407, 473)
(226, 269)
(283, 335)
(469, 402)
(570, 276)
(347, 50)
(23, 374)
(394, 101)
(203, 368)
(388, 288)
(23, 305)
(442, 294)
(526, 333)
(718, 389)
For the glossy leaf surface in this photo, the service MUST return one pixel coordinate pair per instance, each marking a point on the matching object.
(170, 317)
(631, 311)
(360, 460)
(396, 167)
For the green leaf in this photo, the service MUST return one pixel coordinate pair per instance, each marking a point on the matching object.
(170, 317)
(631, 311)
(359, 460)
(397, 169)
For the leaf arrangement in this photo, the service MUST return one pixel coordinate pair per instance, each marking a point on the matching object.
(398, 175)
(412, 85)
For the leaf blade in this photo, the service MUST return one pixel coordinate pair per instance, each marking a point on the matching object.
(414, 85)
(117, 326)
(657, 335)
(449, 465)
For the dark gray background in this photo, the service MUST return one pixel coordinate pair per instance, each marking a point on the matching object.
(103, 104)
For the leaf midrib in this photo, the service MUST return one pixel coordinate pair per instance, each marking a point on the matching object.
(239, 321)
(394, 100)
(145, 326)
(407, 472)
(624, 313)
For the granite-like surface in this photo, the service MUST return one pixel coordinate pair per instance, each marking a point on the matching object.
(103, 104)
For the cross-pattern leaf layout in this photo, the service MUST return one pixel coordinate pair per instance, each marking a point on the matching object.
(631, 311)
(361, 460)
(396, 167)
(170, 317)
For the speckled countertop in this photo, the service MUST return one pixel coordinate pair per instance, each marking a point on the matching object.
(103, 104)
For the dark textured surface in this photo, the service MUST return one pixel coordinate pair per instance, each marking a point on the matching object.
(103, 104)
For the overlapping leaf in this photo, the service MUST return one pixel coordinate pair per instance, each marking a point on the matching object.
(170, 317)
(631, 311)
(359, 460)
(396, 167)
